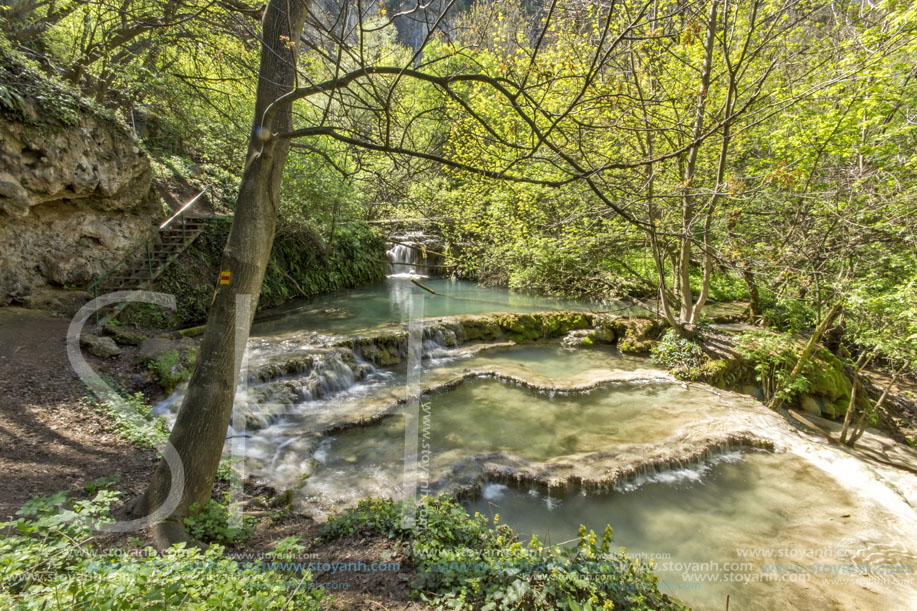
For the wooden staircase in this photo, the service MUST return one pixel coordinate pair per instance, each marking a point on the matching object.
(149, 259)
(164, 247)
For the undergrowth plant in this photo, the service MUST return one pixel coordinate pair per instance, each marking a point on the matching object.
(677, 353)
(132, 417)
(172, 368)
(774, 356)
(465, 562)
(214, 523)
(49, 560)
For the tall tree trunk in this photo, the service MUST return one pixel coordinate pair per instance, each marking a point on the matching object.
(203, 420)
(711, 206)
(688, 198)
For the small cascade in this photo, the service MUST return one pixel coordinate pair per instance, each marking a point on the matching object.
(402, 260)
(414, 255)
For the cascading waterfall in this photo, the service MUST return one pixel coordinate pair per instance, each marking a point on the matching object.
(413, 255)
(402, 260)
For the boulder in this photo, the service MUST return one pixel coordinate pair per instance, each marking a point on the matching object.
(60, 301)
(589, 337)
(126, 337)
(577, 338)
(637, 335)
(103, 347)
(810, 404)
(70, 270)
(154, 347)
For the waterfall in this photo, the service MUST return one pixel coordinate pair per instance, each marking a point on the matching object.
(402, 261)
(413, 255)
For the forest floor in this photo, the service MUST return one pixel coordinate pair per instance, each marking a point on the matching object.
(51, 439)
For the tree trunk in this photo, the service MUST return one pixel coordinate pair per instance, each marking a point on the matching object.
(861, 363)
(688, 198)
(754, 300)
(861, 423)
(203, 420)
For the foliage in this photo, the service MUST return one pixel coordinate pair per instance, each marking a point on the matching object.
(724, 286)
(132, 418)
(786, 314)
(195, 176)
(774, 355)
(227, 471)
(170, 369)
(302, 265)
(28, 94)
(217, 523)
(676, 352)
(884, 321)
(288, 547)
(48, 559)
(463, 561)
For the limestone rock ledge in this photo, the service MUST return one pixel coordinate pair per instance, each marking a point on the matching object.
(73, 200)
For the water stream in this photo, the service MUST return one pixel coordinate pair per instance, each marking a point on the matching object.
(725, 495)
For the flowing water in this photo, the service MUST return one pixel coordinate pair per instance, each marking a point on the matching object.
(726, 496)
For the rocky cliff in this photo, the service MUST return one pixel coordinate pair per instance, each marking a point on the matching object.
(74, 198)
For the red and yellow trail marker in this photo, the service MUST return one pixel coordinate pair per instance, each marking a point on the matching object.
(224, 277)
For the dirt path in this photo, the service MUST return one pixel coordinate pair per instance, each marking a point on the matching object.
(49, 441)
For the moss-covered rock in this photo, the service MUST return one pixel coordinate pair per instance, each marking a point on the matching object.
(603, 334)
(382, 350)
(126, 337)
(555, 324)
(541, 325)
(520, 327)
(477, 328)
(172, 368)
(811, 405)
(827, 377)
(637, 335)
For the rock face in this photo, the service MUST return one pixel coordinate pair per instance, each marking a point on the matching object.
(73, 201)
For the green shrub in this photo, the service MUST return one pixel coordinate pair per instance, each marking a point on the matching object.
(724, 285)
(785, 314)
(677, 353)
(213, 523)
(301, 264)
(28, 94)
(774, 356)
(462, 562)
(48, 561)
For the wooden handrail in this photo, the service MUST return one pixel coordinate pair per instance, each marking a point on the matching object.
(185, 207)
